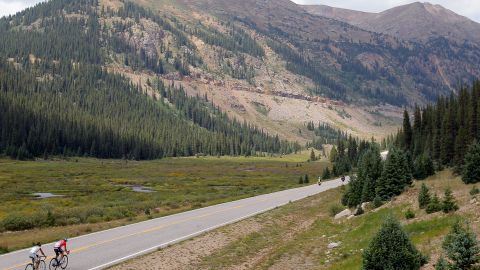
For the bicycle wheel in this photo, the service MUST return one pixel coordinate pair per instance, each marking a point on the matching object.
(42, 265)
(53, 264)
(29, 267)
(64, 263)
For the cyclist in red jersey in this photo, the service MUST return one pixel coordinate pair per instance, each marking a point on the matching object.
(60, 249)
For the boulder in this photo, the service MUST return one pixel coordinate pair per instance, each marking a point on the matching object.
(334, 245)
(344, 213)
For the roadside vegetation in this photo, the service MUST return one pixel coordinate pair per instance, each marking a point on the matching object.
(97, 194)
(298, 235)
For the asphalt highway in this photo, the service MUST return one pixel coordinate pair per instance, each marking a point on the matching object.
(106, 248)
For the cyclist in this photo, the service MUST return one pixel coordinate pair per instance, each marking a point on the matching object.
(34, 255)
(60, 248)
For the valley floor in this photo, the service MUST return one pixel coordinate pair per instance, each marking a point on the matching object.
(296, 236)
(96, 195)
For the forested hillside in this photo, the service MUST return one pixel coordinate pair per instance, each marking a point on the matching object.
(57, 97)
(444, 131)
(443, 135)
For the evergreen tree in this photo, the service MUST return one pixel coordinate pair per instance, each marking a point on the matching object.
(442, 264)
(423, 167)
(434, 206)
(326, 174)
(461, 247)
(312, 156)
(407, 131)
(393, 179)
(306, 180)
(392, 249)
(449, 204)
(333, 154)
(471, 173)
(423, 197)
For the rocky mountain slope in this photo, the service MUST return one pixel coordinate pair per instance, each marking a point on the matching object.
(269, 63)
(417, 21)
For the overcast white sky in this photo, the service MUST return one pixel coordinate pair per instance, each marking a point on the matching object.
(469, 8)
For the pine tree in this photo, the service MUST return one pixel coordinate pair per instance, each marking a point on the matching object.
(423, 167)
(393, 179)
(306, 180)
(442, 264)
(449, 204)
(434, 205)
(407, 131)
(461, 247)
(326, 174)
(391, 248)
(423, 197)
(312, 156)
(471, 173)
(333, 154)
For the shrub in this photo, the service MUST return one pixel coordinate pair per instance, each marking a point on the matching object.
(449, 204)
(409, 214)
(3, 250)
(335, 209)
(377, 202)
(50, 221)
(461, 247)
(423, 197)
(441, 264)
(474, 191)
(392, 249)
(359, 211)
(16, 222)
(300, 181)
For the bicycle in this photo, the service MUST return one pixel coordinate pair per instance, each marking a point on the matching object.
(41, 266)
(54, 265)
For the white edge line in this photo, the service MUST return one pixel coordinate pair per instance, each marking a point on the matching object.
(186, 237)
(166, 244)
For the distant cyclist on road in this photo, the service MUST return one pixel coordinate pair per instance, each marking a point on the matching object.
(60, 249)
(34, 255)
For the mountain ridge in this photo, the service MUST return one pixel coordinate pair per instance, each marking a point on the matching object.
(416, 21)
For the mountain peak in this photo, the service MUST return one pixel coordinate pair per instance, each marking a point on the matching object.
(418, 21)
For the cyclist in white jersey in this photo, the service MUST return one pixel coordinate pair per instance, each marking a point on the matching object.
(34, 254)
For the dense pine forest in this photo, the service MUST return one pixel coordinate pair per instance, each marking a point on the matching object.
(57, 98)
(443, 135)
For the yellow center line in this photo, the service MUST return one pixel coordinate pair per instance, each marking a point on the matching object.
(80, 249)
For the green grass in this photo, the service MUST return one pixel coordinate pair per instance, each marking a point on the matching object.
(93, 195)
(283, 242)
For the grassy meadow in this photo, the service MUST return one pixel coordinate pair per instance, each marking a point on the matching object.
(97, 194)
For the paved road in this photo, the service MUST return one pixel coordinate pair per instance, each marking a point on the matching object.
(102, 249)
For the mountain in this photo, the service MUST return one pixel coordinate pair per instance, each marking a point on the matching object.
(417, 21)
(156, 78)
(60, 96)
